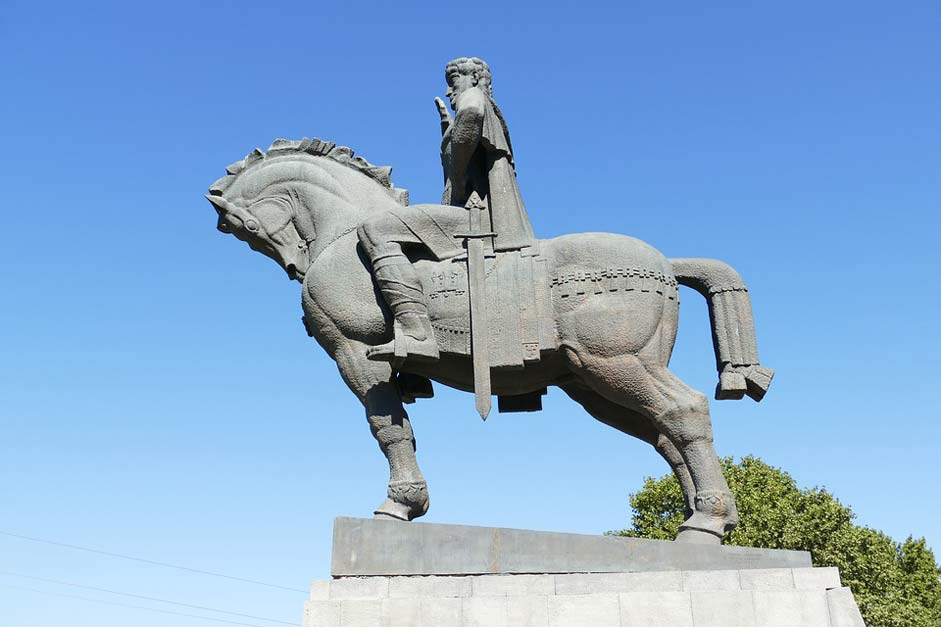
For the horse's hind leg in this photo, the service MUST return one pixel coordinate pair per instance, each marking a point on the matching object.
(635, 424)
(680, 413)
(373, 383)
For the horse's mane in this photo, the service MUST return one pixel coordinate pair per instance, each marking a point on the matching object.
(316, 147)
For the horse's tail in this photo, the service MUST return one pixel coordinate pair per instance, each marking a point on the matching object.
(733, 326)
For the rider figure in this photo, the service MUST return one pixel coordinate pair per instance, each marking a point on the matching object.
(477, 157)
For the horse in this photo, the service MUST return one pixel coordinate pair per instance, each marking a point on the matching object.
(300, 203)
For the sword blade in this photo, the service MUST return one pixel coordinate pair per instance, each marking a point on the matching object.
(476, 279)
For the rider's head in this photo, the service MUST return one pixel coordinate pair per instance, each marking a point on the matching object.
(464, 73)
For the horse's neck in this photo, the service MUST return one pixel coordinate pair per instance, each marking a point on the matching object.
(330, 228)
(338, 208)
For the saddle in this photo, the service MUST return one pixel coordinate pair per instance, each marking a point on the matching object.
(519, 324)
(519, 319)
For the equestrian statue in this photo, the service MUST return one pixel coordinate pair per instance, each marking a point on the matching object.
(463, 293)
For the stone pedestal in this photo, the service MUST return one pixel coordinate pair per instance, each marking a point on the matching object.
(766, 589)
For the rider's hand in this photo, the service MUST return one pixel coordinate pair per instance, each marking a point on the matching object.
(443, 113)
(442, 109)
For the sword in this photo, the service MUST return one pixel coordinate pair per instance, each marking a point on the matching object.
(477, 293)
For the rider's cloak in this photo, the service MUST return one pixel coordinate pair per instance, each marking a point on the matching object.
(492, 175)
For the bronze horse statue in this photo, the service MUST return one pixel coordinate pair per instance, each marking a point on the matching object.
(606, 312)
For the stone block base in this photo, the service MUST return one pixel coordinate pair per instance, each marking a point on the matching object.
(367, 547)
(781, 597)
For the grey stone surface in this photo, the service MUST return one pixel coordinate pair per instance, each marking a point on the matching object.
(364, 546)
(712, 580)
(408, 612)
(441, 611)
(431, 586)
(590, 583)
(359, 588)
(723, 608)
(843, 609)
(484, 611)
(320, 590)
(522, 585)
(527, 611)
(463, 293)
(596, 610)
(816, 578)
(361, 613)
(791, 608)
(762, 598)
(764, 579)
(656, 581)
(566, 584)
(656, 609)
(322, 614)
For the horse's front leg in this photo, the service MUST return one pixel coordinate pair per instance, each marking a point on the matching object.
(373, 383)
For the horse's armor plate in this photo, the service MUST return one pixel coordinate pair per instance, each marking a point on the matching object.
(519, 317)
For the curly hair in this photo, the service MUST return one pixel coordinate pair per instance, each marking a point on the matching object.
(469, 65)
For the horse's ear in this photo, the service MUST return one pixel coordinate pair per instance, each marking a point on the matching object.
(218, 202)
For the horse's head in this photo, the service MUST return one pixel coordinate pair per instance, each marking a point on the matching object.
(290, 202)
(267, 227)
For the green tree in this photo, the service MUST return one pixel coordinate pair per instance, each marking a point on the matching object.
(895, 584)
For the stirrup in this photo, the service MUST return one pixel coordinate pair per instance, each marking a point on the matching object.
(404, 348)
(404, 345)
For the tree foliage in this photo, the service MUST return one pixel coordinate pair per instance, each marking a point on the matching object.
(895, 584)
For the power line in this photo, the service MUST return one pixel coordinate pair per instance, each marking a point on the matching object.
(145, 598)
(150, 562)
(127, 605)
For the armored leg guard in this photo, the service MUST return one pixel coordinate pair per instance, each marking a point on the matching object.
(413, 338)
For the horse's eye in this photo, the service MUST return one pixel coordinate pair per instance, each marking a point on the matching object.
(251, 225)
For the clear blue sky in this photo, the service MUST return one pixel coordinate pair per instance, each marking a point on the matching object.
(158, 394)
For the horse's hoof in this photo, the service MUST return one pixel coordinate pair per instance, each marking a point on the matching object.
(390, 510)
(407, 500)
(410, 497)
(714, 514)
(697, 536)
